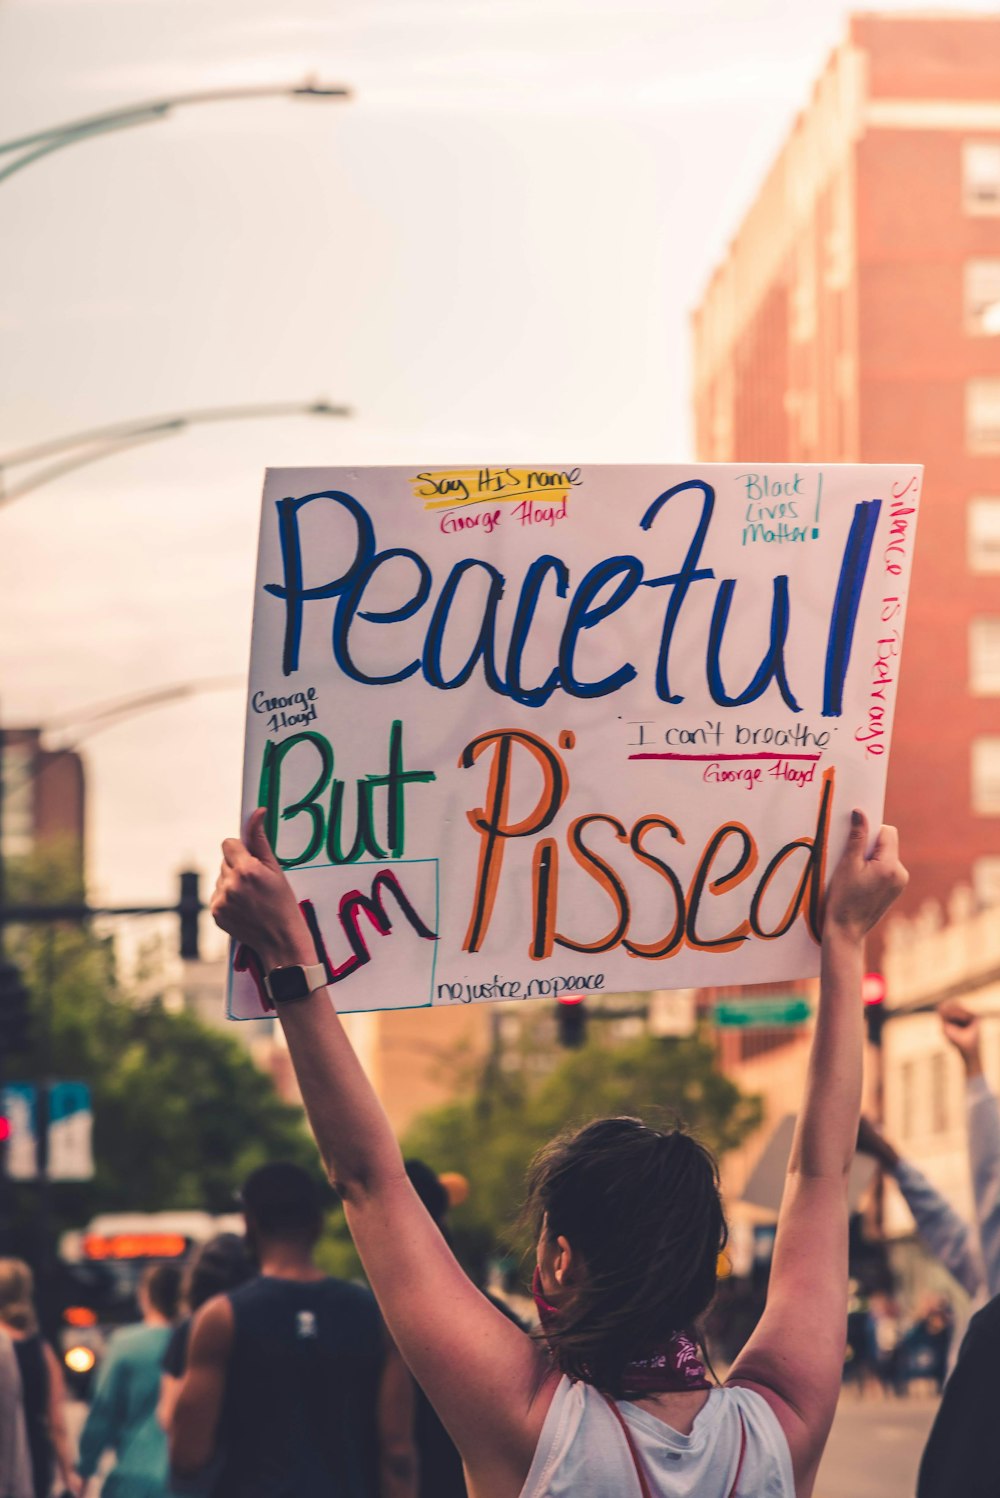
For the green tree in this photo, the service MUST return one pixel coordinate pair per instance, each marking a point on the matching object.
(491, 1136)
(181, 1114)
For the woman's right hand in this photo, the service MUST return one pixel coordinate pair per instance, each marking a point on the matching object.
(863, 886)
(254, 902)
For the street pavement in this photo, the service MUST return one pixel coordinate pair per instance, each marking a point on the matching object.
(875, 1447)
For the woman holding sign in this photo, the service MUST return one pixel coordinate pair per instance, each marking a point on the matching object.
(629, 1230)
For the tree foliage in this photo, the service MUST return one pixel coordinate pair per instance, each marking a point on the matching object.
(491, 1136)
(181, 1114)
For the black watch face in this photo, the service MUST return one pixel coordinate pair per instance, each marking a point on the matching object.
(287, 983)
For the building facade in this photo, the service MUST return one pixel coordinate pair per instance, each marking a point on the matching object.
(42, 798)
(856, 318)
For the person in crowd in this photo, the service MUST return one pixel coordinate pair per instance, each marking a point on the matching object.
(961, 1028)
(887, 1332)
(926, 1345)
(15, 1458)
(629, 1228)
(123, 1414)
(220, 1264)
(42, 1383)
(441, 1474)
(292, 1389)
(962, 1455)
(436, 1197)
(859, 1364)
(440, 1468)
(971, 1253)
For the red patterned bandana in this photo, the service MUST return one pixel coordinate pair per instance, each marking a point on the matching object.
(676, 1369)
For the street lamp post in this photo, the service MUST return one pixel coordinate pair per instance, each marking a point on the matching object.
(102, 442)
(30, 148)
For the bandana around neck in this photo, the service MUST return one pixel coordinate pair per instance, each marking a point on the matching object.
(675, 1369)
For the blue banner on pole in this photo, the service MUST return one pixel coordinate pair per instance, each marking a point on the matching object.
(71, 1124)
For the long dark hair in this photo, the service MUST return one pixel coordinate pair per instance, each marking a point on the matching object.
(220, 1264)
(640, 1207)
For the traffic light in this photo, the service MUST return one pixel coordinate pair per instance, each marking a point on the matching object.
(874, 1020)
(189, 909)
(571, 1017)
(873, 995)
(15, 1011)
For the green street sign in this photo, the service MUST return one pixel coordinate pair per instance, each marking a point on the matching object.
(762, 1014)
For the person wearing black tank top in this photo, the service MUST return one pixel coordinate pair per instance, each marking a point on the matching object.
(292, 1387)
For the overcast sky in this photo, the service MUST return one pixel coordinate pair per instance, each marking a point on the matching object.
(491, 253)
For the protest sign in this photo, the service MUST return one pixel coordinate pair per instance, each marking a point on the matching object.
(529, 732)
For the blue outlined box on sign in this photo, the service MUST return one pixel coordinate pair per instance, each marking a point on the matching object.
(382, 918)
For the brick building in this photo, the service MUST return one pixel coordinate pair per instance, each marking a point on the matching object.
(43, 796)
(856, 318)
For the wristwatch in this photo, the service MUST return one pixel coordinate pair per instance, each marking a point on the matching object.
(284, 985)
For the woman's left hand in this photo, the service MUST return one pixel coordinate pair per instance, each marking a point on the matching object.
(864, 886)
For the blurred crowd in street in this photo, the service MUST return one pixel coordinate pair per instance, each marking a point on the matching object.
(228, 1400)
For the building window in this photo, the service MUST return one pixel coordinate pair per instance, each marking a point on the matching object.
(17, 779)
(982, 415)
(986, 776)
(981, 176)
(906, 1098)
(984, 535)
(939, 1093)
(802, 298)
(982, 297)
(984, 656)
(986, 880)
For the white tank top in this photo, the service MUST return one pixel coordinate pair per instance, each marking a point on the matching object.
(582, 1451)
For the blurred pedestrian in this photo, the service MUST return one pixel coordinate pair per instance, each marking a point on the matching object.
(441, 1474)
(962, 1455)
(886, 1338)
(922, 1353)
(972, 1256)
(123, 1415)
(970, 1252)
(42, 1383)
(292, 1388)
(629, 1227)
(15, 1458)
(222, 1263)
(962, 1030)
(859, 1360)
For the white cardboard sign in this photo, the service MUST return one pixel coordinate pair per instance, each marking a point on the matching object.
(540, 731)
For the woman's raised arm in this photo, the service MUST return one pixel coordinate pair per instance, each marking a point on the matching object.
(481, 1372)
(795, 1357)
